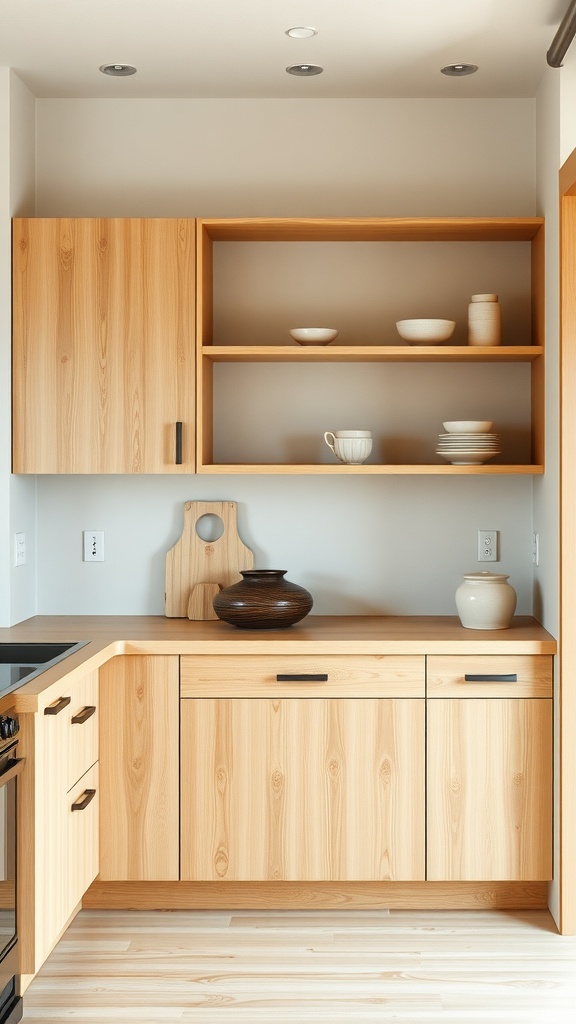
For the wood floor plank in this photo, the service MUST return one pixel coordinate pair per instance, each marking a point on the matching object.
(373, 966)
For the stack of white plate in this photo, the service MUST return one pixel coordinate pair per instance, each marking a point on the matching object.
(467, 442)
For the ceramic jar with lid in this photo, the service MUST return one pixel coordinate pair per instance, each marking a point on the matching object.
(484, 320)
(485, 600)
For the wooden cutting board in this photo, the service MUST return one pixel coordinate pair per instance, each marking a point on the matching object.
(196, 569)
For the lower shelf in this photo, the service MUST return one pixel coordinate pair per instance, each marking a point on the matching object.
(370, 470)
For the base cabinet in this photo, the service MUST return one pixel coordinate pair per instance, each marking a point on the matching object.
(58, 856)
(489, 789)
(302, 789)
(139, 804)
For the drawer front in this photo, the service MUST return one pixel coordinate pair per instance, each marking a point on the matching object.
(83, 727)
(332, 675)
(489, 675)
(83, 835)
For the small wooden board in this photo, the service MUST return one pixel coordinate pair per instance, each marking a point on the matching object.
(194, 563)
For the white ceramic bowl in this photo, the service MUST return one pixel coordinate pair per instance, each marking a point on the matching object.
(313, 335)
(468, 426)
(425, 332)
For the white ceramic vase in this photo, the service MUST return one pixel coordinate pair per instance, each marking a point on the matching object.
(485, 600)
(484, 320)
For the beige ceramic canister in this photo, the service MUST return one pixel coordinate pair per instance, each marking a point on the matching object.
(485, 600)
(484, 320)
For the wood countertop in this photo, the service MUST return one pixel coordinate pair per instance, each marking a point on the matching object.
(108, 636)
(111, 635)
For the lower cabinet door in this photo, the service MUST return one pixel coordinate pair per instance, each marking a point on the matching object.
(489, 789)
(302, 789)
(139, 768)
(82, 808)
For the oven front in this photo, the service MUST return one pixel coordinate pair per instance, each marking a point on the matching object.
(10, 767)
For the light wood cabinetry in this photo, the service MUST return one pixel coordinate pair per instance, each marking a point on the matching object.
(233, 329)
(103, 361)
(139, 777)
(309, 787)
(489, 769)
(58, 856)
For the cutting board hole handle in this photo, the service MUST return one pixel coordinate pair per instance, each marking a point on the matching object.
(209, 527)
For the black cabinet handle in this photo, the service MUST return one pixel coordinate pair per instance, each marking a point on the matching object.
(303, 677)
(82, 802)
(488, 678)
(83, 715)
(58, 706)
(178, 458)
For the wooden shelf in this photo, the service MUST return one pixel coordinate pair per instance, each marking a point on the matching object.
(371, 229)
(481, 230)
(371, 353)
(320, 469)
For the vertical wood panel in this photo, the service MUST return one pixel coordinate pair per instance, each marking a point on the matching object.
(139, 726)
(489, 790)
(302, 789)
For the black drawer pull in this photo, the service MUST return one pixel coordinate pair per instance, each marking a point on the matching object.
(303, 677)
(82, 802)
(488, 678)
(83, 715)
(58, 706)
(178, 458)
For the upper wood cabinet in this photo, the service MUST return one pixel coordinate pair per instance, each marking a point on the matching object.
(103, 314)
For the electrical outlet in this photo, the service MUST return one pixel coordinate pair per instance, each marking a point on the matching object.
(93, 545)
(536, 548)
(487, 545)
(19, 549)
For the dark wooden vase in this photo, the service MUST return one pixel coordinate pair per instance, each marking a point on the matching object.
(263, 599)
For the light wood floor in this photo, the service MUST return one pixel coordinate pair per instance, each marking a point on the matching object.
(158, 967)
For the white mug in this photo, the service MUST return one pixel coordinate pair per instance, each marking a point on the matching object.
(350, 446)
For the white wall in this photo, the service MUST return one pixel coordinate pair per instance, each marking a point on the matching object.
(382, 544)
(22, 204)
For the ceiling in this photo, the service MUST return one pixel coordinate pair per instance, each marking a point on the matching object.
(224, 48)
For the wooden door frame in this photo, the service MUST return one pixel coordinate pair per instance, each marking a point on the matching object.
(567, 639)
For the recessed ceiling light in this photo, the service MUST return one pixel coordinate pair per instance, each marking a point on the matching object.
(117, 70)
(459, 70)
(301, 32)
(305, 70)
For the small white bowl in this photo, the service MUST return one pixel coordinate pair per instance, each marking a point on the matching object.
(425, 332)
(468, 426)
(313, 335)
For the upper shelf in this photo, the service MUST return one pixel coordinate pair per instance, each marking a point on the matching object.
(372, 229)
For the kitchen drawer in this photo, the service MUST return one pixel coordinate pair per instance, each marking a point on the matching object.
(247, 675)
(83, 733)
(83, 835)
(72, 720)
(504, 675)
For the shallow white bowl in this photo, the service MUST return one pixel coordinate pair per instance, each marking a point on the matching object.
(468, 426)
(425, 332)
(313, 335)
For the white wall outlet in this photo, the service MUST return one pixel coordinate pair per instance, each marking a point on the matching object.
(19, 549)
(536, 548)
(487, 545)
(93, 545)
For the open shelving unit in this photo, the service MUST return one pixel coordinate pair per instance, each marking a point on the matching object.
(211, 351)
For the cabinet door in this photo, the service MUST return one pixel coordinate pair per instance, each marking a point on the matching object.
(82, 828)
(489, 786)
(103, 314)
(302, 789)
(139, 771)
